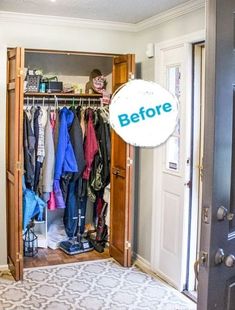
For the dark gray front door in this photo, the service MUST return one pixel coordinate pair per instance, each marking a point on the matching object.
(217, 271)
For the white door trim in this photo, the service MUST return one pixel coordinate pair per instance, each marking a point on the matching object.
(186, 41)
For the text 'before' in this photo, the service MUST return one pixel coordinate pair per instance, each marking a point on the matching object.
(143, 114)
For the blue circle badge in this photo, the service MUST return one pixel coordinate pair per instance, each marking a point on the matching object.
(143, 113)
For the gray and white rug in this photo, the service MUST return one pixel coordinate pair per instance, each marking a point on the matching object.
(100, 285)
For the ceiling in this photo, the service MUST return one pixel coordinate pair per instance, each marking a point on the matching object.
(126, 11)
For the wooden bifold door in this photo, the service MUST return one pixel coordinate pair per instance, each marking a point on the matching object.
(121, 176)
(121, 167)
(14, 139)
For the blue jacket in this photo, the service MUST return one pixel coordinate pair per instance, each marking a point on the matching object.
(65, 160)
(32, 205)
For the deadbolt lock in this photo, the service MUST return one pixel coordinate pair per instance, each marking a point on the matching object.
(229, 260)
(219, 256)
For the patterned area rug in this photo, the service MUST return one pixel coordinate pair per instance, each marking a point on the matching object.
(100, 285)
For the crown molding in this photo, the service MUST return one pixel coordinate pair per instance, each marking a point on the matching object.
(59, 21)
(179, 10)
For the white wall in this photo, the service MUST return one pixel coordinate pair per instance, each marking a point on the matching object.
(93, 40)
(180, 26)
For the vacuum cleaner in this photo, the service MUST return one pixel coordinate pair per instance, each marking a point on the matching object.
(77, 244)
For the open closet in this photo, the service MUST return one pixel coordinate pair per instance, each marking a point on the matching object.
(96, 169)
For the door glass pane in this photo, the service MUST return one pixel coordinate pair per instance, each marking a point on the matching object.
(172, 153)
(172, 159)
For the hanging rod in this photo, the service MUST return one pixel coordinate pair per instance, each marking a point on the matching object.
(31, 100)
(69, 95)
(46, 99)
(62, 99)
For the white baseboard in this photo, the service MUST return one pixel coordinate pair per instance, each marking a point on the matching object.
(4, 267)
(146, 267)
(142, 263)
(164, 278)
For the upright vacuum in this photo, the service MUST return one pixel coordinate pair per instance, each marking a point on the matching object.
(77, 244)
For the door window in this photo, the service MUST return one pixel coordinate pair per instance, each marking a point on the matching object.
(172, 157)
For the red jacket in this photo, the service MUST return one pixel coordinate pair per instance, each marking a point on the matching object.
(90, 147)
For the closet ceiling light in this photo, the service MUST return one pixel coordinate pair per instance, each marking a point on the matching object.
(53, 0)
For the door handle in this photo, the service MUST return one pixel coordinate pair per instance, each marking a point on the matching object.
(228, 260)
(222, 214)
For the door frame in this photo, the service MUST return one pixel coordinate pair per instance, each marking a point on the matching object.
(196, 166)
(188, 41)
(130, 155)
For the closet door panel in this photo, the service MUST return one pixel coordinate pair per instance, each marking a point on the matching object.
(121, 176)
(119, 157)
(14, 139)
(11, 133)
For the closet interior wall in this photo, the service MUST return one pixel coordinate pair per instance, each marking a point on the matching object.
(74, 70)
(70, 68)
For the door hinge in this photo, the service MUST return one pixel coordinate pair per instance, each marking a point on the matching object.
(188, 184)
(19, 257)
(205, 215)
(203, 258)
(129, 161)
(20, 72)
(131, 76)
(19, 166)
(127, 245)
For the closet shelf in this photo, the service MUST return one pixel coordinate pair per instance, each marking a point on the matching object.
(71, 95)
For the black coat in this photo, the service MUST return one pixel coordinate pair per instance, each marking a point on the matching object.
(29, 146)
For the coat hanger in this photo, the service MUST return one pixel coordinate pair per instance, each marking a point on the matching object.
(56, 102)
(27, 105)
(73, 103)
(105, 112)
(43, 101)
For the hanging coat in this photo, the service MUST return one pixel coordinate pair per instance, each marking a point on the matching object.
(101, 135)
(91, 147)
(76, 137)
(65, 160)
(49, 160)
(32, 206)
(29, 144)
(40, 118)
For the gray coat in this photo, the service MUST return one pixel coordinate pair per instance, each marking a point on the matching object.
(49, 160)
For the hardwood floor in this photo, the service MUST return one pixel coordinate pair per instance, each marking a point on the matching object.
(47, 257)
